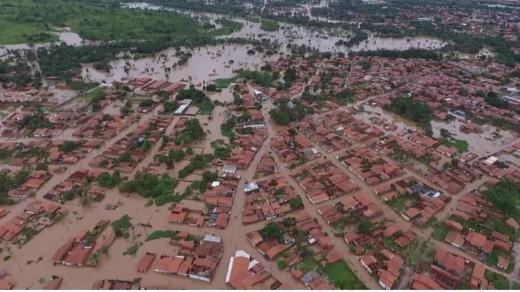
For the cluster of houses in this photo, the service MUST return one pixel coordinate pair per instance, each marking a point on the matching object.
(449, 177)
(195, 258)
(468, 229)
(250, 127)
(35, 217)
(292, 249)
(451, 271)
(294, 148)
(445, 87)
(269, 199)
(85, 249)
(266, 166)
(34, 181)
(103, 126)
(79, 181)
(147, 86)
(44, 125)
(326, 132)
(130, 150)
(369, 166)
(381, 250)
(48, 151)
(212, 211)
(323, 181)
(496, 168)
(422, 201)
(246, 273)
(352, 208)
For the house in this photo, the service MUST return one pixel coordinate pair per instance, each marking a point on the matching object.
(480, 242)
(478, 280)
(368, 262)
(423, 282)
(244, 272)
(386, 279)
(145, 263)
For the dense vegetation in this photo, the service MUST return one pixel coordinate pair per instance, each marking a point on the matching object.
(192, 132)
(414, 110)
(199, 161)
(171, 157)
(493, 99)
(505, 196)
(115, 29)
(272, 230)
(150, 186)
(288, 111)
(407, 54)
(356, 39)
(14, 70)
(157, 234)
(262, 78)
(108, 180)
(30, 20)
(122, 226)
(9, 182)
(198, 97)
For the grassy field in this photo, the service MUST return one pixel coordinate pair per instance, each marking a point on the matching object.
(24, 21)
(309, 263)
(16, 33)
(461, 145)
(269, 25)
(340, 274)
(440, 230)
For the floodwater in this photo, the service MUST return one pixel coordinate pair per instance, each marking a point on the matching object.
(115, 265)
(215, 62)
(370, 112)
(65, 36)
(400, 44)
(320, 39)
(70, 38)
(61, 95)
(207, 63)
(490, 141)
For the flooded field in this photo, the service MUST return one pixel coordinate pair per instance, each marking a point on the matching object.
(65, 36)
(215, 62)
(486, 143)
(400, 44)
(370, 112)
(320, 39)
(490, 141)
(207, 63)
(70, 38)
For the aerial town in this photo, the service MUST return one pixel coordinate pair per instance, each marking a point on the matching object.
(264, 144)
